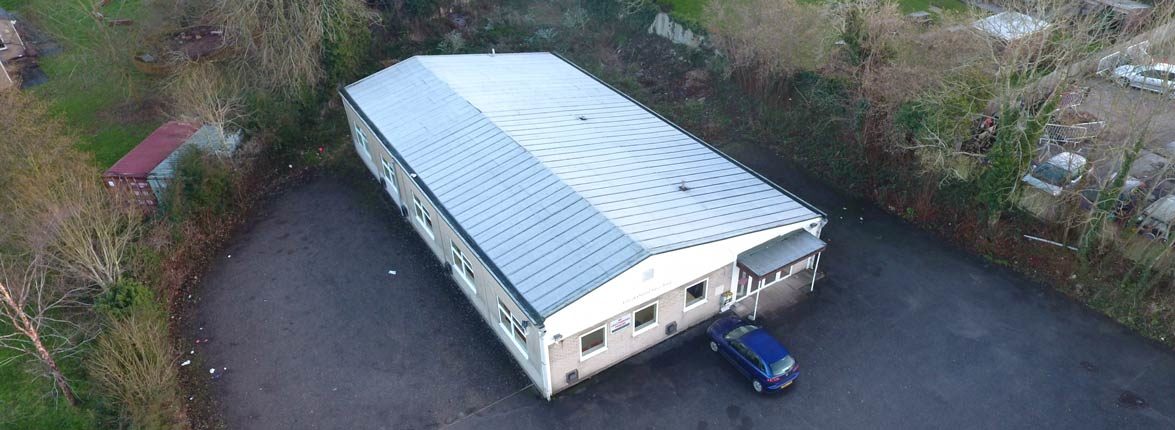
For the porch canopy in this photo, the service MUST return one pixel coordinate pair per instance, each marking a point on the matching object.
(777, 253)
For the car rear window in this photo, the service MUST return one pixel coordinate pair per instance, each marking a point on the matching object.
(782, 366)
(1051, 174)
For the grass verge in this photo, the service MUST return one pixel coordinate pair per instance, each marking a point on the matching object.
(92, 83)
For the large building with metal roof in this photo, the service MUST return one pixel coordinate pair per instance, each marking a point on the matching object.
(575, 219)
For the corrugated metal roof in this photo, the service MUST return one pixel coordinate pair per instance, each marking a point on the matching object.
(773, 254)
(561, 182)
(141, 160)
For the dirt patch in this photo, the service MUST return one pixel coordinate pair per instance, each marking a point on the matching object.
(135, 111)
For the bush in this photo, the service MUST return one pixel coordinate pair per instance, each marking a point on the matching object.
(126, 297)
(133, 364)
(201, 184)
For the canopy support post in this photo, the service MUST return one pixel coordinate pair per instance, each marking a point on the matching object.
(814, 270)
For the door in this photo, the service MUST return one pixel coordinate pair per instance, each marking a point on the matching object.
(744, 284)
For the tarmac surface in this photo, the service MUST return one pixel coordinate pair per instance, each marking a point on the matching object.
(906, 331)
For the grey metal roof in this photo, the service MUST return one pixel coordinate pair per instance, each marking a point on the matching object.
(780, 251)
(559, 182)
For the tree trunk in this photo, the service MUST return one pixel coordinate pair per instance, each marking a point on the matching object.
(23, 324)
(58, 377)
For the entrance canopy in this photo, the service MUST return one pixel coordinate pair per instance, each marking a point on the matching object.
(779, 252)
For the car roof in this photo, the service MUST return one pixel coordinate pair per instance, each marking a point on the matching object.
(764, 345)
(1068, 161)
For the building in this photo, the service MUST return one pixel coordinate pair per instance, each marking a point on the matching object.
(583, 227)
(142, 175)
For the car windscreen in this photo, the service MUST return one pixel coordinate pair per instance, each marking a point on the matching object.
(1051, 174)
(782, 366)
(740, 331)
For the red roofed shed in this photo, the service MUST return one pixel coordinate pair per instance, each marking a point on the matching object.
(135, 176)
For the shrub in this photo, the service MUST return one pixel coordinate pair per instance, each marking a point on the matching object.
(200, 183)
(452, 43)
(125, 297)
(575, 18)
(133, 364)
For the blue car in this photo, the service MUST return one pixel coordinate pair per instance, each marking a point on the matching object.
(754, 353)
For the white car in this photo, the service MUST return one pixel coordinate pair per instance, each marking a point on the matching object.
(1158, 77)
(1060, 171)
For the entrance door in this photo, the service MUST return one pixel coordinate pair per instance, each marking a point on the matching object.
(744, 284)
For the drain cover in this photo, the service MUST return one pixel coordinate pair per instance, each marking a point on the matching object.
(1131, 400)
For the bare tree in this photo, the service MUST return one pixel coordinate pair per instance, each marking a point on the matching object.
(32, 302)
(53, 202)
(284, 40)
(770, 39)
(202, 93)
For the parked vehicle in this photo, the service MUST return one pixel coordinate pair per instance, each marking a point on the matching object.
(1060, 171)
(1158, 77)
(754, 352)
(1157, 219)
(1133, 192)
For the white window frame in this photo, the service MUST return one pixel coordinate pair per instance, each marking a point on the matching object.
(656, 319)
(705, 297)
(423, 218)
(584, 355)
(509, 327)
(389, 174)
(361, 140)
(462, 265)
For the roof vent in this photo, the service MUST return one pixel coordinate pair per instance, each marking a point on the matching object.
(582, 118)
(682, 186)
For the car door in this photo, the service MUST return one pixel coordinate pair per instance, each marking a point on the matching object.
(747, 361)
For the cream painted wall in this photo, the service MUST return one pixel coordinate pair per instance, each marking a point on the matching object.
(485, 291)
(656, 275)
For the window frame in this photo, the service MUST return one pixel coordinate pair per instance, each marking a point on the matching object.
(361, 140)
(648, 325)
(596, 350)
(462, 266)
(389, 174)
(423, 218)
(509, 328)
(697, 302)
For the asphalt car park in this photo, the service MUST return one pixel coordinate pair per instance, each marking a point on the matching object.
(905, 331)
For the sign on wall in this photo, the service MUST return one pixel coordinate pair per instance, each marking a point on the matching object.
(620, 322)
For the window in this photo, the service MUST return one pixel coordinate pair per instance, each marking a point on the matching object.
(422, 217)
(462, 267)
(361, 143)
(512, 327)
(592, 343)
(695, 295)
(644, 319)
(390, 175)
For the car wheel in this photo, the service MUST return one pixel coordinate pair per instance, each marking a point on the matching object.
(713, 346)
(1123, 82)
(757, 386)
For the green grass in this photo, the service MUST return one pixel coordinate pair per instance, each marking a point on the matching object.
(25, 402)
(92, 82)
(686, 10)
